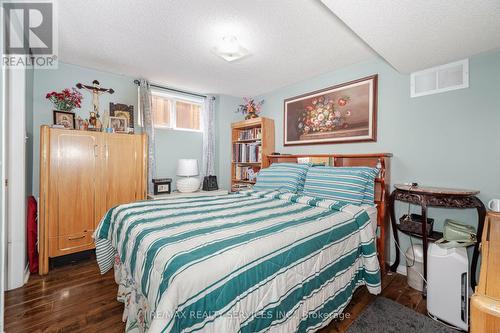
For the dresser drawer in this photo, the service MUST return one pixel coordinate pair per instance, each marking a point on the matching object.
(485, 314)
(71, 243)
(492, 262)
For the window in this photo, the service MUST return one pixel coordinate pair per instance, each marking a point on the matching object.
(162, 108)
(187, 115)
(176, 111)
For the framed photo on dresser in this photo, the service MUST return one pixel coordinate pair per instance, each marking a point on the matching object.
(342, 113)
(122, 110)
(64, 118)
(118, 124)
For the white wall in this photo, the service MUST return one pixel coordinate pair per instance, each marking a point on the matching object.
(16, 101)
(3, 240)
(225, 115)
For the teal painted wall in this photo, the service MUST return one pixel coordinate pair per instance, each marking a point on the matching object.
(226, 115)
(450, 139)
(67, 76)
(170, 144)
(445, 139)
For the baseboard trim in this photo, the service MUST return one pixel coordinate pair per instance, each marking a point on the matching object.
(401, 270)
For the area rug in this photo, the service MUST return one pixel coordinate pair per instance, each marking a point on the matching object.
(384, 315)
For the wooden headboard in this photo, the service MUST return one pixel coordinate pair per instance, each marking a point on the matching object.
(382, 183)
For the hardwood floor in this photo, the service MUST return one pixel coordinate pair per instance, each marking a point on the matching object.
(76, 298)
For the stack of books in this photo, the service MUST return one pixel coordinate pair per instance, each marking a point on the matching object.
(250, 134)
(247, 152)
(241, 172)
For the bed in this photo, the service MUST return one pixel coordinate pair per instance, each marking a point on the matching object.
(251, 261)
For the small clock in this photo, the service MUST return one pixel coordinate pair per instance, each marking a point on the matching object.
(162, 185)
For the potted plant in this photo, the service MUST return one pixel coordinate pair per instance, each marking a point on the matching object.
(250, 108)
(66, 100)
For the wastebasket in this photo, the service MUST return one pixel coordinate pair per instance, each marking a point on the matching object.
(415, 267)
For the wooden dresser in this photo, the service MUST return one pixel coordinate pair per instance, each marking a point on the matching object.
(485, 303)
(82, 175)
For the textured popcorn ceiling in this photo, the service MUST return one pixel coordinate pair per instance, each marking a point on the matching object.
(416, 34)
(170, 42)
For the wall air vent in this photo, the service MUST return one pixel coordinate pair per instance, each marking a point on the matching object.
(439, 79)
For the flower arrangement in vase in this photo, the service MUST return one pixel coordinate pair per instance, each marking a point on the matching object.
(66, 100)
(250, 108)
(324, 115)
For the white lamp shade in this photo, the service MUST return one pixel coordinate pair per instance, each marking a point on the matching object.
(187, 167)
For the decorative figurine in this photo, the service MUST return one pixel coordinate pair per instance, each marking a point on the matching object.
(79, 123)
(93, 120)
(251, 174)
(96, 91)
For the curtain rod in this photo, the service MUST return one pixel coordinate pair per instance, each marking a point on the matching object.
(172, 89)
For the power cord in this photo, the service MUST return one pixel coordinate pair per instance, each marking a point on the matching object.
(408, 214)
(404, 254)
(443, 323)
(423, 279)
(428, 314)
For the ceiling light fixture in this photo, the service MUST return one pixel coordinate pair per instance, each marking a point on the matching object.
(229, 49)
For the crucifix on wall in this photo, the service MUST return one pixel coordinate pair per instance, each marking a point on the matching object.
(96, 91)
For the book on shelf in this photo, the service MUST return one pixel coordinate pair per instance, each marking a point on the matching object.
(247, 153)
(241, 172)
(250, 134)
(241, 187)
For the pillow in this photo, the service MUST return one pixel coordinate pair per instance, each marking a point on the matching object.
(370, 174)
(354, 185)
(282, 176)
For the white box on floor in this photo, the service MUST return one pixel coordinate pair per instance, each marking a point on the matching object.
(415, 267)
(448, 285)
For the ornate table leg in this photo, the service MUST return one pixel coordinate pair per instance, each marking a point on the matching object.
(425, 242)
(481, 214)
(392, 213)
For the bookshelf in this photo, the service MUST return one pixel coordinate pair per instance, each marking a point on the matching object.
(252, 141)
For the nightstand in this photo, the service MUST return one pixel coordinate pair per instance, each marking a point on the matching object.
(176, 194)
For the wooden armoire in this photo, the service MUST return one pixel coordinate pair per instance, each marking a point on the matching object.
(82, 175)
(485, 303)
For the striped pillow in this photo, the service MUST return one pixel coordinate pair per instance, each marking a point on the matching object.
(370, 174)
(283, 177)
(349, 184)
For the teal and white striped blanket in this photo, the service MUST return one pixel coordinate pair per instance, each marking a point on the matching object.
(247, 262)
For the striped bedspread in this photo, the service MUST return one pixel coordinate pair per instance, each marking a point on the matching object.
(247, 262)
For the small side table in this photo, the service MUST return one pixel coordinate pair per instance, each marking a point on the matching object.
(436, 197)
(176, 194)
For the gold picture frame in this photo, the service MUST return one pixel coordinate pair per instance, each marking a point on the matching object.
(118, 124)
(342, 113)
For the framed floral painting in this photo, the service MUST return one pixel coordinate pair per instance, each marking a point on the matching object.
(343, 113)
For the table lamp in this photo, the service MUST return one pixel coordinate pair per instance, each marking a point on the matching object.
(187, 170)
